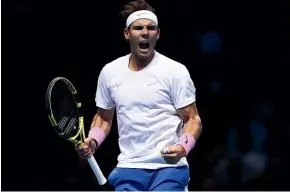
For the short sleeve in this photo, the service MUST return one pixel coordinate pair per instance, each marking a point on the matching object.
(103, 98)
(182, 87)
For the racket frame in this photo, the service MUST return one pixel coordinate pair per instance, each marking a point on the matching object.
(81, 131)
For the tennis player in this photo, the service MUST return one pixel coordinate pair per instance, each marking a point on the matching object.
(155, 102)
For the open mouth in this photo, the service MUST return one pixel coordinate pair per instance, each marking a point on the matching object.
(144, 45)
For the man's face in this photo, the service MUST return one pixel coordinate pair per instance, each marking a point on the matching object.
(142, 36)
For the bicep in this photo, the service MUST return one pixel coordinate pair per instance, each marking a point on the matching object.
(188, 112)
(191, 119)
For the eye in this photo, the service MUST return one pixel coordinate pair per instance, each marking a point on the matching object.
(151, 28)
(138, 28)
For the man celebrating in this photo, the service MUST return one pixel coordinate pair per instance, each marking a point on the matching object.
(155, 103)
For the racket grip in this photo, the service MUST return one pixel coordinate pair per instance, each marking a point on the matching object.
(97, 171)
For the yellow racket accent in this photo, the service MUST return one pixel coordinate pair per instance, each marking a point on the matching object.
(52, 120)
(82, 128)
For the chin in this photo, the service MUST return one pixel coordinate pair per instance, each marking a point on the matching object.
(144, 55)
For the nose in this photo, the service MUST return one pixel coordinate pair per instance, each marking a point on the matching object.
(144, 33)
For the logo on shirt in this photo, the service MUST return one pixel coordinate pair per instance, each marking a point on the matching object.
(114, 85)
(153, 83)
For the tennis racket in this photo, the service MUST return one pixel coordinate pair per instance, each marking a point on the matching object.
(64, 113)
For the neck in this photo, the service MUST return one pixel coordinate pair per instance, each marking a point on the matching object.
(136, 63)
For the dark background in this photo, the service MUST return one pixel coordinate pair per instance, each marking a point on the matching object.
(240, 75)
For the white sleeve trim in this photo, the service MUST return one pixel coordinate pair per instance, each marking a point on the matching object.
(104, 107)
(186, 103)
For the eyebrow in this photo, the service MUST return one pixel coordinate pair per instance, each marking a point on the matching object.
(139, 27)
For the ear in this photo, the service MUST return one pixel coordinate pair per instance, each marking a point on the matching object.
(158, 33)
(126, 34)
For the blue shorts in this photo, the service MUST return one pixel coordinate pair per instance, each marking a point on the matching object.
(163, 179)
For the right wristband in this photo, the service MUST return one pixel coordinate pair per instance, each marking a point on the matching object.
(98, 135)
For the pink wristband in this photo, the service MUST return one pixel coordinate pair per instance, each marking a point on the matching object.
(187, 141)
(98, 135)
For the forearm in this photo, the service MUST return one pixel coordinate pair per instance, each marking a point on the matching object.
(101, 126)
(193, 126)
(102, 123)
(191, 132)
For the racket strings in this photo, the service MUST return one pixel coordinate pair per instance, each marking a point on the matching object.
(64, 104)
(62, 122)
(67, 128)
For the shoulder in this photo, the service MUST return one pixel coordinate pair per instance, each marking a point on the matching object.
(114, 66)
(171, 66)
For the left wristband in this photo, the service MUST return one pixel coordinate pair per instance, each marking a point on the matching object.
(187, 141)
(98, 135)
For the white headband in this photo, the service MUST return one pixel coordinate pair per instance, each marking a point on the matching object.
(142, 14)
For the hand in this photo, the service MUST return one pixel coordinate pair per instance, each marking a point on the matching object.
(173, 153)
(87, 149)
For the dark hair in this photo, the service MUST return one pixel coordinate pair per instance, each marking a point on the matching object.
(133, 6)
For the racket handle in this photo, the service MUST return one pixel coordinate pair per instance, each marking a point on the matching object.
(97, 171)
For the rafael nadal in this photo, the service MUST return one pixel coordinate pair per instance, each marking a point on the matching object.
(155, 103)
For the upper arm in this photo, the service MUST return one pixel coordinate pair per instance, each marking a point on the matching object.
(191, 119)
(106, 114)
(188, 112)
(103, 118)
(103, 98)
(182, 89)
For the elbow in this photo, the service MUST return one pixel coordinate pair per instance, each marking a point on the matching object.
(197, 124)
(193, 126)
(200, 123)
(197, 121)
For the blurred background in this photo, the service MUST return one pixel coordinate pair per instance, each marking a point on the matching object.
(238, 56)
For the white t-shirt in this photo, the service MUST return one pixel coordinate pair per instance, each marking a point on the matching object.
(146, 103)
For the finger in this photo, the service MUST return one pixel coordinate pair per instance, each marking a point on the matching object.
(86, 154)
(171, 155)
(83, 152)
(81, 148)
(168, 149)
(165, 150)
(87, 141)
